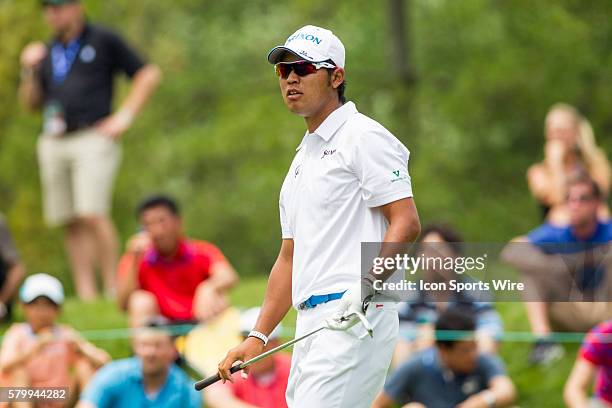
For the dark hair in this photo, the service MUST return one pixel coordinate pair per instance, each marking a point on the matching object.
(158, 200)
(341, 90)
(583, 178)
(454, 319)
(448, 234)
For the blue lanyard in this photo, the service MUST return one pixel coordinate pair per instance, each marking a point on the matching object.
(62, 59)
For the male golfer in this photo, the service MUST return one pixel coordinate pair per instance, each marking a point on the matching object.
(348, 184)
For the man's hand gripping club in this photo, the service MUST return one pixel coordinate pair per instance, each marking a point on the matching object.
(353, 306)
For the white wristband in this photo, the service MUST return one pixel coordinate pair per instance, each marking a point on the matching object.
(489, 398)
(260, 336)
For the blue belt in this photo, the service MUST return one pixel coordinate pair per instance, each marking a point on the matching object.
(319, 299)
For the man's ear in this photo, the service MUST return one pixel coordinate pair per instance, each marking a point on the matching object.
(337, 77)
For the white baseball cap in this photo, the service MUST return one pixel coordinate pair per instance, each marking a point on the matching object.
(248, 318)
(41, 284)
(312, 43)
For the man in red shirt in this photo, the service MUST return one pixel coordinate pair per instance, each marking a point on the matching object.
(164, 273)
(266, 383)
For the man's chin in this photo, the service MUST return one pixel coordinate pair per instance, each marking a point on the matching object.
(295, 107)
(153, 371)
(297, 111)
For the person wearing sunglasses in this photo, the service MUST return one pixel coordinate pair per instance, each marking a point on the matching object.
(347, 184)
(565, 265)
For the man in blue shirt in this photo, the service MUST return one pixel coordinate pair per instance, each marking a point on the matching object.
(450, 375)
(562, 264)
(148, 380)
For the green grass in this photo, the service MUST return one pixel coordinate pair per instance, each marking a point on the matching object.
(538, 387)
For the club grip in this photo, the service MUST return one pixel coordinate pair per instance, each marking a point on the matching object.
(200, 385)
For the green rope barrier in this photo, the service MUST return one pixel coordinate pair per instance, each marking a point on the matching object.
(509, 336)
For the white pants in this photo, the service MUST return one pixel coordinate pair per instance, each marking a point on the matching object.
(341, 369)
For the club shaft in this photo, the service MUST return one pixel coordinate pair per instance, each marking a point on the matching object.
(279, 348)
(200, 385)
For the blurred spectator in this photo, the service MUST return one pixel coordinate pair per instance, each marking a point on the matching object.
(43, 353)
(452, 374)
(12, 271)
(163, 272)
(547, 262)
(570, 148)
(71, 80)
(150, 379)
(418, 316)
(594, 360)
(266, 383)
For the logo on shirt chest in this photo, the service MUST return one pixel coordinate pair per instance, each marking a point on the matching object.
(328, 152)
(88, 54)
(470, 386)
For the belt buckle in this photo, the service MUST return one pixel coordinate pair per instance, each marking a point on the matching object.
(305, 305)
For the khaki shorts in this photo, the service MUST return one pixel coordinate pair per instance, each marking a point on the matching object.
(77, 173)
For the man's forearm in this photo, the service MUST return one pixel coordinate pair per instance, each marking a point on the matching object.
(128, 283)
(401, 233)
(502, 390)
(277, 300)
(223, 277)
(143, 84)
(30, 91)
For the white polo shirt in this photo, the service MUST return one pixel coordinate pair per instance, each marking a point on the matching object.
(341, 174)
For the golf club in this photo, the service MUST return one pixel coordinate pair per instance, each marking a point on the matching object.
(200, 385)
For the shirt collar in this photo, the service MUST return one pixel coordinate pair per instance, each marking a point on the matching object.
(447, 374)
(82, 35)
(592, 238)
(332, 123)
(182, 252)
(136, 375)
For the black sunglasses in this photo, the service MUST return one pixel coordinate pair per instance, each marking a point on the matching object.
(301, 68)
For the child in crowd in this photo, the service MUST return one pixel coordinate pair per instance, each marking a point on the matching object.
(43, 353)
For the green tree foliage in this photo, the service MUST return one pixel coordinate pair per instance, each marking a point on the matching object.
(217, 136)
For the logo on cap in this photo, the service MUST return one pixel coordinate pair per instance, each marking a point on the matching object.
(303, 36)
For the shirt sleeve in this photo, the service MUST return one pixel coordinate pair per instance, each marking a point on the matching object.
(286, 231)
(591, 349)
(491, 367)
(399, 385)
(102, 389)
(543, 234)
(8, 252)
(125, 59)
(380, 161)
(214, 254)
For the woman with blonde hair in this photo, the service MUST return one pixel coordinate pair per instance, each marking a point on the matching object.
(570, 149)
